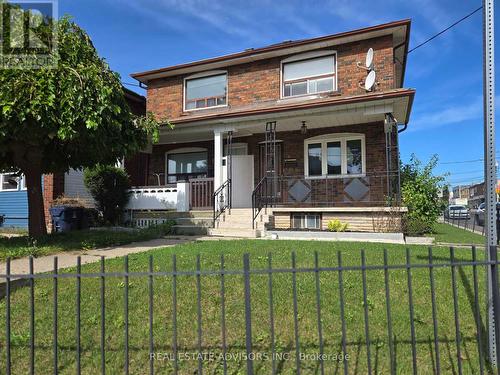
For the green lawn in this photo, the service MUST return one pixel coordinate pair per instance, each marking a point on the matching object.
(21, 246)
(233, 251)
(450, 234)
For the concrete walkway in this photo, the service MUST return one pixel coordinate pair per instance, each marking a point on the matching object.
(68, 258)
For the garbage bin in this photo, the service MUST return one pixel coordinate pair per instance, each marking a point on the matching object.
(66, 218)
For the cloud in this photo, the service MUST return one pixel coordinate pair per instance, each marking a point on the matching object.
(456, 113)
(257, 22)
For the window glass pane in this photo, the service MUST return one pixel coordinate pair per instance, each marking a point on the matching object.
(10, 181)
(299, 88)
(297, 221)
(314, 159)
(324, 84)
(354, 158)
(312, 86)
(206, 91)
(313, 221)
(308, 68)
(288, 90)
(193, 162)
(334, 159)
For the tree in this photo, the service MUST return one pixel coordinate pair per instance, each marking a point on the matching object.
(420, 193)
(71, 116)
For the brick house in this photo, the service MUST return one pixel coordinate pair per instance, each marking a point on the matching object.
(293, 134)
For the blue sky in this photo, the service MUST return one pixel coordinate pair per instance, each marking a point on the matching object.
(137, 35)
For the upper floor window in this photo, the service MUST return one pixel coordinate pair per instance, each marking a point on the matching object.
(335, 155)
(310, 75)
(205, 92)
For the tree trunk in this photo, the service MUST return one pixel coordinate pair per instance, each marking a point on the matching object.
(36, 221)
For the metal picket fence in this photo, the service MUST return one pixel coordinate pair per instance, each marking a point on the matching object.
(247, 275)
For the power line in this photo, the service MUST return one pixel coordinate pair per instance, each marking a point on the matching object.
(131, 84)
(445, 30)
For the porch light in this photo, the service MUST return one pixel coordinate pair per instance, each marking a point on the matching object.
(303, 128)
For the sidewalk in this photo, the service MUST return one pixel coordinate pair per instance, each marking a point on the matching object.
(68, 259)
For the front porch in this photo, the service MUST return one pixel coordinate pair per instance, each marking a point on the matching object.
(296, 164)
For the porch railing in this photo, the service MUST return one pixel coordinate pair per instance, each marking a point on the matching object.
(201, 191)
(370, 189)
(153, 198)
(221, 199)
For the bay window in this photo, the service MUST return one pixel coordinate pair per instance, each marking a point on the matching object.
(205, 92)
(334, 155)
(310, 75)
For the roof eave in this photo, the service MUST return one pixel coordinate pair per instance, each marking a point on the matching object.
(233, 59)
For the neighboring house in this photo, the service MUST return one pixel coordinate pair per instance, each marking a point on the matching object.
(307, 129)
(13, 194)
(13, 200)
(460, 194)
(476, 195)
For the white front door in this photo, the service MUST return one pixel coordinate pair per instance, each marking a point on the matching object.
(242, 180)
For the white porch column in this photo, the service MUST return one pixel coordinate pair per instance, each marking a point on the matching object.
(218, 154)
(182, 204)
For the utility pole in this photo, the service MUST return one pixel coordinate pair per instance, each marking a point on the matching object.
(489, 160)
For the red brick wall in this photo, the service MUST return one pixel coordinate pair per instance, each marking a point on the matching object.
(293, 148)
(259, 82)
(53, 187)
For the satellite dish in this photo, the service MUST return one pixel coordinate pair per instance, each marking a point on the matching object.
(369, 58)
(370, 80)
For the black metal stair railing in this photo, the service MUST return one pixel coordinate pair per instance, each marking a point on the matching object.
(221, 199)
(259, 199)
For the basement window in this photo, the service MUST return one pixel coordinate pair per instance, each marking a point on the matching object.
(306, 221)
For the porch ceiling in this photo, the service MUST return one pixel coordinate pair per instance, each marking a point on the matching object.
(316, 117)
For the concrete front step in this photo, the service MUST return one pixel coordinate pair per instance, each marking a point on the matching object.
(235, 232)
(172, 214)
(191, 230)
(202, 221)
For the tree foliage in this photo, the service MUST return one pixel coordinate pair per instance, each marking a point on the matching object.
(71, 116)
(420, 190)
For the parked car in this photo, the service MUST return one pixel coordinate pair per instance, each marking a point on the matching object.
(480, 214)
(457, 212)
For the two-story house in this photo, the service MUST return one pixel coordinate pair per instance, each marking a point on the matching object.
(296, 133)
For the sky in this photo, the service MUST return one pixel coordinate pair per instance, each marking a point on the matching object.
(447, 116)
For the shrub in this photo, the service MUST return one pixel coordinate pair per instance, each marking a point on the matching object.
(420, 193)
(337, 226)
(109, 186)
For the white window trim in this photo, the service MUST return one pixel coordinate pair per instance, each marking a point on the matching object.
(203, 75)
(339, 137)
(21, 185)
(304, 220)
(307, 56)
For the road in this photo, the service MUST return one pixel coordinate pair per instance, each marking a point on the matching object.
(466, 223)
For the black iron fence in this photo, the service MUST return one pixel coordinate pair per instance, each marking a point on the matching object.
(471, 220)
(425, 315)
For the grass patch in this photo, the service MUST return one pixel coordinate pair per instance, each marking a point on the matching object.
(21, 246)
(210, 252)
(450, 234)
